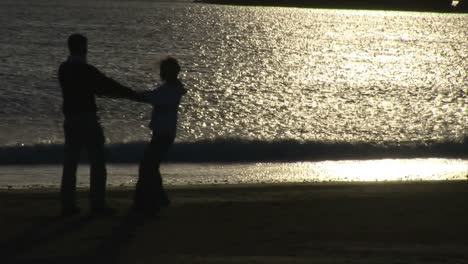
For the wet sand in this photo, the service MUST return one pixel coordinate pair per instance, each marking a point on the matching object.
(413, 222)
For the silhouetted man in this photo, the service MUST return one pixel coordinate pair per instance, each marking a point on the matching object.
(80, 82)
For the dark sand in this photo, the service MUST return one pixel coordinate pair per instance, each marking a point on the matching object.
(421, 222)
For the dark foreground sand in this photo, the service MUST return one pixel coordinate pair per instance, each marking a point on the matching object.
(424, 222)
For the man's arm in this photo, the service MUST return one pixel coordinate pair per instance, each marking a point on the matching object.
(105, 86)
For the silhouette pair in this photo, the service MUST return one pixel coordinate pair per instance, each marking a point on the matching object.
(80, 82)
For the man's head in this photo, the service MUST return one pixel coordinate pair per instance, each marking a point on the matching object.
(78, 45)
(169, 68)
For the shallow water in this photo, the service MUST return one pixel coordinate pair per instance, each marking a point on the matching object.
(261, 73)
(252, 173)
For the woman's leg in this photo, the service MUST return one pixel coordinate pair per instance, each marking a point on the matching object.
(144, 186)
(163, 145)
(150, 193)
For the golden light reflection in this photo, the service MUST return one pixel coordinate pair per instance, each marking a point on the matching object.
(183, 174)
(395, 170)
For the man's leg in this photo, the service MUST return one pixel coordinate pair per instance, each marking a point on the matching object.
(98, 173)
(72, 150)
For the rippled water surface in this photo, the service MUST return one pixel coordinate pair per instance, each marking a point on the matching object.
(253, 72)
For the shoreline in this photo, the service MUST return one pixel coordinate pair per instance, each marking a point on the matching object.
(245, 174)
(444, 6)
(224, 186)
(301, 223)
(239, 150)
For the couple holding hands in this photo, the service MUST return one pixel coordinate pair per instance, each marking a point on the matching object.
(80, 83)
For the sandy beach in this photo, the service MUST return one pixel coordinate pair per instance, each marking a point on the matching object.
(413, 222)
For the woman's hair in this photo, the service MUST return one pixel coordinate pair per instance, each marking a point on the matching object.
(169, 68)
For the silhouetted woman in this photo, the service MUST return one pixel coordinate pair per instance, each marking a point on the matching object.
(165, 98)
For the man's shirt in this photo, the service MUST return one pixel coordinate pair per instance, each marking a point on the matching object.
(80, 82)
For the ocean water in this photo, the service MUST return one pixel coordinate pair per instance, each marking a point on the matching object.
(262, 74)
(255, 73)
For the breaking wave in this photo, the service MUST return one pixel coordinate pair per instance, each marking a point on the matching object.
(239, 150)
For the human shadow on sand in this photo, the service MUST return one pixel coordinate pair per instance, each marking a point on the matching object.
(111, 247)
(38, 234)
(107, 243)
